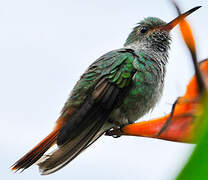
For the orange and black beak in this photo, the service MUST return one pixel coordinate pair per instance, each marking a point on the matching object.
(177, 20)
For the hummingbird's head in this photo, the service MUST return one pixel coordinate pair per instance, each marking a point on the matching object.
(147, 34)
(154, 34)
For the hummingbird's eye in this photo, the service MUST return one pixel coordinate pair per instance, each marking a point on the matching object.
(143, 30)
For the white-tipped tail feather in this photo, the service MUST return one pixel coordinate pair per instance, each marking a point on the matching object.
(61, 156)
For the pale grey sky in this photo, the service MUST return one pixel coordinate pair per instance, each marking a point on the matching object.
(45, 45)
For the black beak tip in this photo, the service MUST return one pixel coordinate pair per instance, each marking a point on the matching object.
(195, 8)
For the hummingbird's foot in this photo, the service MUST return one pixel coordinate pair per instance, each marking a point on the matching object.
(114, 132)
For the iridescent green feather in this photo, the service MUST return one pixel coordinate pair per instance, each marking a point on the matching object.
(115, 66)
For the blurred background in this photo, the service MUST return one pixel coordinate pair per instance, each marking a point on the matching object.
(45, 45)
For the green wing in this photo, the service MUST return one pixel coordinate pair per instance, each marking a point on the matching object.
(116, 67)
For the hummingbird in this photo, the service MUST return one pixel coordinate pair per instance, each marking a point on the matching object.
(117, 89)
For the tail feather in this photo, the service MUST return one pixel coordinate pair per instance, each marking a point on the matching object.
(33, 155)
(67, 152)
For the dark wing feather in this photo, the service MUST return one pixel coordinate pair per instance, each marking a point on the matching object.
(88, 113)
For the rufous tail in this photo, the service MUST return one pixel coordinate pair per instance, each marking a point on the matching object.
(33, 155)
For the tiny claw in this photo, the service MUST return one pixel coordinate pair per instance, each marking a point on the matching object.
(116, 136)
(114, 132)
